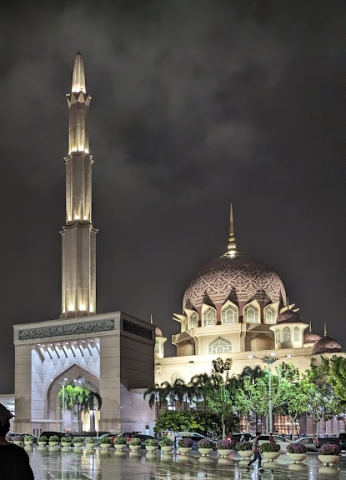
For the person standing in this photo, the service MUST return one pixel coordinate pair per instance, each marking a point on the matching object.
(14, 461)
(256, 452)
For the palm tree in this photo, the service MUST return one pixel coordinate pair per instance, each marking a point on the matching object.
(202, 384)
(80, 399)
(157, 397)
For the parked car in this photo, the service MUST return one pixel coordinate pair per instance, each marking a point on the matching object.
(308, 442)
(282, 441)
(235, 437)
(334, 440)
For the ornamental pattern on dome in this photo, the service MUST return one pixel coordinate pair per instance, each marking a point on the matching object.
(241, 275)
(311, 338)
(326, 345)
(288, 316)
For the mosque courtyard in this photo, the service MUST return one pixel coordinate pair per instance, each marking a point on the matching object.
(99, 465)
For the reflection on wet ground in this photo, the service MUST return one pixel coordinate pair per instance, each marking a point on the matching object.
(97, 465)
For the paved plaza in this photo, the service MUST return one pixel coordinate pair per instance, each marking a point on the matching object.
(132, 466)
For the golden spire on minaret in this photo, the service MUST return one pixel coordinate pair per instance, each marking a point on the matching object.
(232, 246)
(310, 327)
(78, 76)
(325, 330)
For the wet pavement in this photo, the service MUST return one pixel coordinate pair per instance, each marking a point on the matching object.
(98, 465)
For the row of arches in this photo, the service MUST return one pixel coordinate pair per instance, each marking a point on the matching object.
(230, 314)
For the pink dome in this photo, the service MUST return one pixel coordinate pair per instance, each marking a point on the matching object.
(311, 337)
(239, 276)
(289, 316)
(326, 345)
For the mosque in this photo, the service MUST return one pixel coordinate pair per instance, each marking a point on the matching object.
(235, 308)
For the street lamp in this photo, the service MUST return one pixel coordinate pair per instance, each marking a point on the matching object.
(269, 360)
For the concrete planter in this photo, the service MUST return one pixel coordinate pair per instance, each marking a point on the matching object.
(105, 446)
(205, 451)
(245, 453)
(223, 453)
(297, 457)
(271, 456)
(53, 444)
(328, 459)
(151, 448)
(184, 450)
(134, 448)
(119, 448)
(167, 449)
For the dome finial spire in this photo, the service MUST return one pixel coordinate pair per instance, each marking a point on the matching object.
(325, 330)
(232, 246)
(310, 327)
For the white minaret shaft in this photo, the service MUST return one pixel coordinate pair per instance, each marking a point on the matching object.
(78, 235)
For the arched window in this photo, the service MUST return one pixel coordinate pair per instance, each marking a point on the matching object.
(230, 314)
(270, 315)
(287, 335)
(251, 313)
(277, 336)
(209, 317)
(296, 334)
(193, 321)
(220, 346)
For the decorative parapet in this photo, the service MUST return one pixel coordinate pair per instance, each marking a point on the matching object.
(62, 330)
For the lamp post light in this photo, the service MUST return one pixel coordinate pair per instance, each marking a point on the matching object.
(269, 360)
(63, 384)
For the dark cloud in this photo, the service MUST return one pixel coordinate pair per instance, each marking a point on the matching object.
(194, 104)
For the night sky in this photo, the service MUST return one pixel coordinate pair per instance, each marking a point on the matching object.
(195, 104)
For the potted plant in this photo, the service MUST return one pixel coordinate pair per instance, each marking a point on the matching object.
(42, 441)
(224, 448)
(205, 446)
(105, 443)
(185, 445)
(151, 444)
(28, 440)
(78, 442)
(244, 449)
(91, 442)
(120, 443)
(135, 444)
(18, 439)
(66, 442)
(329, 454)
(53, 441)
(296, 452)
(270, 450)
(166, 445)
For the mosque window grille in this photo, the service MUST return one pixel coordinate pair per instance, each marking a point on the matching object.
(193, 323)
(229, 314)
(296, 334)
(209, 317)
(251, 314)
(220, 346)
(277, 336)
(286, 335)
(270, 315)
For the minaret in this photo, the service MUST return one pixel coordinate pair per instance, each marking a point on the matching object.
(231, 247)
(78, 235)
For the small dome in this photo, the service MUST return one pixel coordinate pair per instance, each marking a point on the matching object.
(158, 332)
(240, 276)
(311, 337)
(289, 316)
(326, 345)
